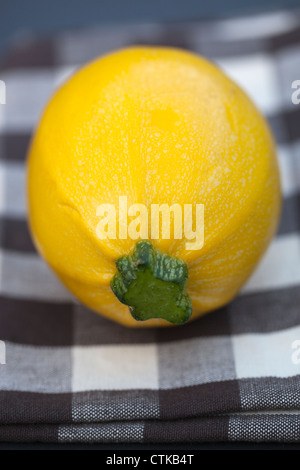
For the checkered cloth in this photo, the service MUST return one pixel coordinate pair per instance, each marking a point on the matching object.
(73, 376)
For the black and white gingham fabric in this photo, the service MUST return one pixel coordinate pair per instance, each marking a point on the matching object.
(73, 376)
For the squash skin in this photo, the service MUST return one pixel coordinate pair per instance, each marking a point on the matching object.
(158, 125)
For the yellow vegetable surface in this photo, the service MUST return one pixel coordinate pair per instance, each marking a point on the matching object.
(158, 126)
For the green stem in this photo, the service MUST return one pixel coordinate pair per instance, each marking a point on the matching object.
(152, 284)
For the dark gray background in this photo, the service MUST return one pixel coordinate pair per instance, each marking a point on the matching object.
(39, 16)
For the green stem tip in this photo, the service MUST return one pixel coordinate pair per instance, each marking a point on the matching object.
(152, 284)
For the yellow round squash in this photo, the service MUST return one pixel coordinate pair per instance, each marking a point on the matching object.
(152, 126)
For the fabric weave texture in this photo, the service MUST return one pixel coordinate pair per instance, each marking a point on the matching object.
(71, 375)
